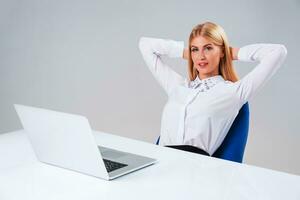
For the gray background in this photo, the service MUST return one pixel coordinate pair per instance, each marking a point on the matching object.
(82, 57)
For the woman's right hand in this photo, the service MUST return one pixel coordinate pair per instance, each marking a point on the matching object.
(185, 54)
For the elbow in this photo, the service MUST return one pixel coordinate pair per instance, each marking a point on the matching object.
(146, 46)
(283, 51)
(142, 43)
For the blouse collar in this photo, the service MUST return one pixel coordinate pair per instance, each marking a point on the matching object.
(205, 84)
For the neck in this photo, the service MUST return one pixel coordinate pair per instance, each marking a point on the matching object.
(206, 76)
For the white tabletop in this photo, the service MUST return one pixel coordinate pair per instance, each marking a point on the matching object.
(177, 175)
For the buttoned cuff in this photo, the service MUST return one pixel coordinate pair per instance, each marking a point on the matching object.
(176, 49)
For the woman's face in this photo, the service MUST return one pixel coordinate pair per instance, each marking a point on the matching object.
(206, 56)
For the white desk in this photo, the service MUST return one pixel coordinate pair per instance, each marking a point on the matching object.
(177, 175)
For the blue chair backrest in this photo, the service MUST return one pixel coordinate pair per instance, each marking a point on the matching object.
(233, 146)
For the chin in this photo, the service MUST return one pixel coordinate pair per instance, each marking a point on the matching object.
(204, 71)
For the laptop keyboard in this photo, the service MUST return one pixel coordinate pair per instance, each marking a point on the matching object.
(111, 165)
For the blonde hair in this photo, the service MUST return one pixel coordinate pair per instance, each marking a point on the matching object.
(218, 36)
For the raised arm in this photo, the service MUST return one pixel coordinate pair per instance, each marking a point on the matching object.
(152, 49)
(270, 58)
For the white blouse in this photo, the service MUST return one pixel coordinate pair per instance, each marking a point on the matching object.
(201, 112)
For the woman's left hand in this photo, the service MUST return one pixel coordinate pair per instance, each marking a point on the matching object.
(234, 53)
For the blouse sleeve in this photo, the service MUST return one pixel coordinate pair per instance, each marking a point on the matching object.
(152, 49)
(270, 58)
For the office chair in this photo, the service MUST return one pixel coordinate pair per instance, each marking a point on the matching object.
(233, 146)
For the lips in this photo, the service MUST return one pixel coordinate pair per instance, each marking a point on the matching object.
(202, 64)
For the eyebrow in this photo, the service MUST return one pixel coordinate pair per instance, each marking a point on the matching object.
(203, 46)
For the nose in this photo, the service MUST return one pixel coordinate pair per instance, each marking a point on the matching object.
(201, 55)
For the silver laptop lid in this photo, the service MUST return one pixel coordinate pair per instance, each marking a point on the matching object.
(62, 139)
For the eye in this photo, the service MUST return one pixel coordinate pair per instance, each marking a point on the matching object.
(194, 49)
(208, 48)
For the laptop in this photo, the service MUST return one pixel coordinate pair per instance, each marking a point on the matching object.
(66, 140)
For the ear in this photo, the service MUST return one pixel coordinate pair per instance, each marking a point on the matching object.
(222, 52)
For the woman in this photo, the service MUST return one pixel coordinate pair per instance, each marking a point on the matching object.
(201, 110)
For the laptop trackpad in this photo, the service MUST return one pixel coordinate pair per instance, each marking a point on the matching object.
(110, 153)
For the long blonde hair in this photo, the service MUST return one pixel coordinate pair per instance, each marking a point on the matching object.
(218, 36)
